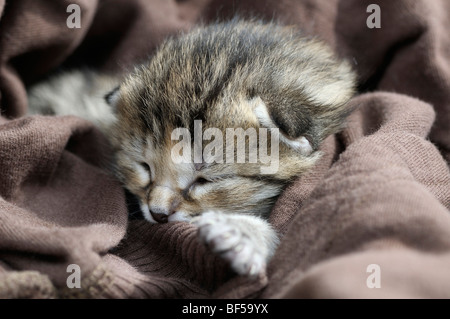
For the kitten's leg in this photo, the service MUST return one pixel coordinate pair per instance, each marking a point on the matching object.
(246, 242)
(78, 92)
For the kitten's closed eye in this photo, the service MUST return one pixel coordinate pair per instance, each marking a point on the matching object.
(145, 173)
(201, 181)
(146, 167)
(194, 186)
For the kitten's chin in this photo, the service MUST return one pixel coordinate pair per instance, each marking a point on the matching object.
(179, 217)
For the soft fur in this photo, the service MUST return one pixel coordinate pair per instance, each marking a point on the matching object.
(228, 75)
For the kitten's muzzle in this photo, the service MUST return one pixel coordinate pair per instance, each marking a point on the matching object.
(163, 204)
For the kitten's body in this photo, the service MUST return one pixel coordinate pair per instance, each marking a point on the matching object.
(229, 75)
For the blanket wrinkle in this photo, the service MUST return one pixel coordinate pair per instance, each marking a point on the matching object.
(380, 194)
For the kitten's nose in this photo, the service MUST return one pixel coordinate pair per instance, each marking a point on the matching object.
(160, 217)
(163, 203)
(161, 214)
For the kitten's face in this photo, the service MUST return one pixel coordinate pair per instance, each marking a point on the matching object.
(236, 75)
(171, 191)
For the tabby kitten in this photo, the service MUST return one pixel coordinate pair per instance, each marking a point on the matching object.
(236, 74)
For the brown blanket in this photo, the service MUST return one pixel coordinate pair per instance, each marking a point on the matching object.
(371, 220)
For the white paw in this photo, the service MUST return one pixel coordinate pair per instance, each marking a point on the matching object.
(224, 237)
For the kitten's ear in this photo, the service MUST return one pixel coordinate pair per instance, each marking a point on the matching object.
(112, 97)
(293, 126)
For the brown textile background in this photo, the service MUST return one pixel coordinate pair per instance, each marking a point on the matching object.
(380, 195)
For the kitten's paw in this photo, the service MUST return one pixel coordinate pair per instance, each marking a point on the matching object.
(225, 237)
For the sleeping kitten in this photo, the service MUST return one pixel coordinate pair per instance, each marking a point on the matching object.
(227, 75)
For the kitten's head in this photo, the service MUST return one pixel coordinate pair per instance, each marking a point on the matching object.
(210, 83)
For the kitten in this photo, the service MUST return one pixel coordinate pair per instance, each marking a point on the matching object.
(236, 74)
